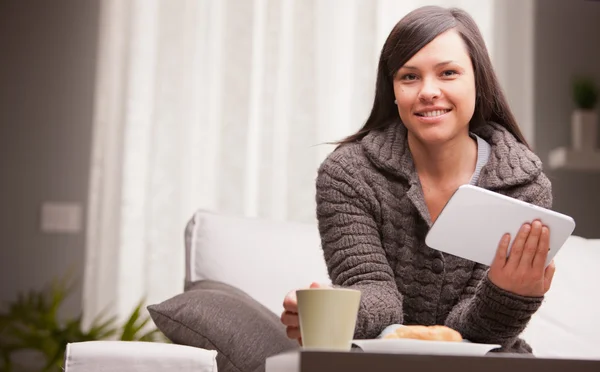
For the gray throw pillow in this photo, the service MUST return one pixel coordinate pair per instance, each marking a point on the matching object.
(216, 316)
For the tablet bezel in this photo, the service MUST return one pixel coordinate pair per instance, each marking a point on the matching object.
(474, 220)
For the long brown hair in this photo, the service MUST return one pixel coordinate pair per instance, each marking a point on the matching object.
(413, 32)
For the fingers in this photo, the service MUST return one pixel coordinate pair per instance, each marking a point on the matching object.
(531, 245)
(290, 302)
(516, 251)
(293, 332)
(292, 323)
(290, 319)
(543, 248)
(502, 251)
(548, 275)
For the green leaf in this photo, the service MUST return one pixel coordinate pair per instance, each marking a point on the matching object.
(31, 322)
(131, 327)
(103, 330)
(153, 336)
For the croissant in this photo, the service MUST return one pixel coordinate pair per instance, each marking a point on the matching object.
(430, 333)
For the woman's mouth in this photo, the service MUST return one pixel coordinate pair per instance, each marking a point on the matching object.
(432, 114)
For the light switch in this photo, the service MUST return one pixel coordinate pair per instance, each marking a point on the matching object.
(61, 217)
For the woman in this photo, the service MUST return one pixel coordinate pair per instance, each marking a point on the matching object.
(439, 120)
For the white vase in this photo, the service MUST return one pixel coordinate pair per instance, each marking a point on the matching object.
(584, 129)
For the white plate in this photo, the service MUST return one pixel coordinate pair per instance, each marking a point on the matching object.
(410, 346)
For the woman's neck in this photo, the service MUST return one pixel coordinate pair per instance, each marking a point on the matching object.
(445, 166)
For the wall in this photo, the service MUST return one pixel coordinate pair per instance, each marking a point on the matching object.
(567, 34)
(46, 97)
(47, 68)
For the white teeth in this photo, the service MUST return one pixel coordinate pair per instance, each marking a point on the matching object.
(434, 113)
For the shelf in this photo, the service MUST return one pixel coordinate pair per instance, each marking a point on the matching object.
(564, 158)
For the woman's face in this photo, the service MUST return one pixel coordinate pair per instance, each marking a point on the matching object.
(435, 90)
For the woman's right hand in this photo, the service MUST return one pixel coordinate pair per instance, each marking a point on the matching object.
(523, 271)
(289, 317)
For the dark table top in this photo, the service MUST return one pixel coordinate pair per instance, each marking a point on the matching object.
(358, 361)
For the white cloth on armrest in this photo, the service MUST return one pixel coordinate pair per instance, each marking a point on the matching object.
(133, 356)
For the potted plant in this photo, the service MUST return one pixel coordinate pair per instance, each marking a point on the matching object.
(584, 119)
(33, 337)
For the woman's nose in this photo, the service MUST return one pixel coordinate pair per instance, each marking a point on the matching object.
(429, 91)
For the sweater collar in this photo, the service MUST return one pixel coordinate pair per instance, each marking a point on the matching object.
(510, 163)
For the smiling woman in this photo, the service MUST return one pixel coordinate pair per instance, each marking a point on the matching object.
(439, 120)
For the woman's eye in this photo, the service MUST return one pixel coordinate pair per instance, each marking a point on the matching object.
(409, 77)
(449, 73)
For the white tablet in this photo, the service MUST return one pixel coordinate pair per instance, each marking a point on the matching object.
(475, 219)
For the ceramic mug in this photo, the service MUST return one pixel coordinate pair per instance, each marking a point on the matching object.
(328, 317)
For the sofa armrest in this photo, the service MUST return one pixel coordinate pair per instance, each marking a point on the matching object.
(133, 356)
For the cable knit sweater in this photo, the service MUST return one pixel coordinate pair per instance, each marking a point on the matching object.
(373, 220)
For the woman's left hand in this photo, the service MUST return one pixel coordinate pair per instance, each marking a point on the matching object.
(524, 272)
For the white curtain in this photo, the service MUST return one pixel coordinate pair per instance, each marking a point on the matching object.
(223, 105)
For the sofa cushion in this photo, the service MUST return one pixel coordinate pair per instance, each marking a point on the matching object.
(264, 258)
(216, 316)
(566, 325)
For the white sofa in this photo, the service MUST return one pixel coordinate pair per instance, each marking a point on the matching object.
(266, 259)
(232, 249)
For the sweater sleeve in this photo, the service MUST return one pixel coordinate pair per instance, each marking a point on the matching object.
(486, 313)
(352, 246)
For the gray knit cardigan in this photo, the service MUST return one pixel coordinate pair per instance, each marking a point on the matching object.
(373, 219)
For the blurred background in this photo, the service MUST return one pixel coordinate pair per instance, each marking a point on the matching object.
(119, 119)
